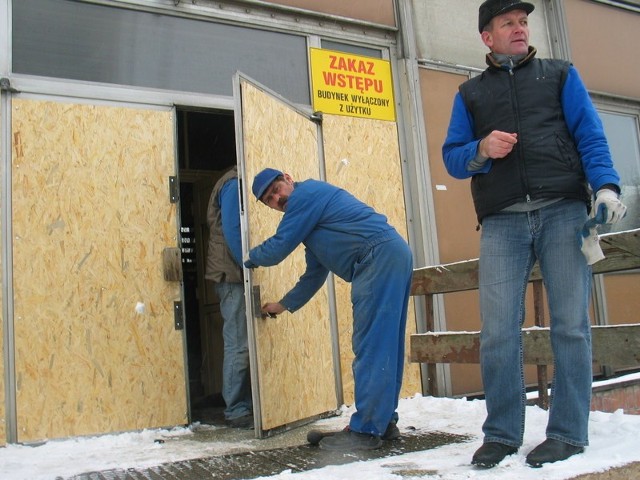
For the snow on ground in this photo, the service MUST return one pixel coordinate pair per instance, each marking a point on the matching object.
(613, 442)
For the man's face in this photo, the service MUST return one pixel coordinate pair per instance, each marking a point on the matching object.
(277, 195)
(508, 34)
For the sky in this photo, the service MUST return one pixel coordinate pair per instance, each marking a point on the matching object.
(613, 442)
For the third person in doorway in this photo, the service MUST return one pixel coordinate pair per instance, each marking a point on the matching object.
(527, 134)
(349, 238)
(224, 267)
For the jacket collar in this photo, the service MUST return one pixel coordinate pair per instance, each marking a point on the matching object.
(494, 62)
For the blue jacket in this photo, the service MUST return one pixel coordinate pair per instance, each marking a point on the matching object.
(230, 206)
(541, 165)
(334, 226)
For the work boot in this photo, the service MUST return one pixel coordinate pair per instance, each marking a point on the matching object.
(551, 451)
(392, 432)
(348, 440)
(491, 453)
(244, 422)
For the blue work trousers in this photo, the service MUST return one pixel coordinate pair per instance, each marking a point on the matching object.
(380, 295)
(510, 244)
(236, 380)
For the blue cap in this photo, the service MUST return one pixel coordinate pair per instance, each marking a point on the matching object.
(262, 181)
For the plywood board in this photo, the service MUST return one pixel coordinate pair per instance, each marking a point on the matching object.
(615, 345)
(96, 346)
(295, 364)
(363, 157)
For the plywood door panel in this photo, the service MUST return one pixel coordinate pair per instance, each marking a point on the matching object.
(363, 157)
(295, 365)
(96, 346)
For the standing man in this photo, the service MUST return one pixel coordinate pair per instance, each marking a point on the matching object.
(527, 134)
(343, 235)
(224, 267)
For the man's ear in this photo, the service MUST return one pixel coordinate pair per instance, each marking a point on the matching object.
(487, 38)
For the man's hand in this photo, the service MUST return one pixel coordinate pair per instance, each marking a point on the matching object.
(497, 144)
(608, 206)
(272, 310)
(247, 262)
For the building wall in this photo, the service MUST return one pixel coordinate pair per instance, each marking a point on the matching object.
(604, 57)
(604, 50)
(65, 387)
(447, 31)
(375, 11)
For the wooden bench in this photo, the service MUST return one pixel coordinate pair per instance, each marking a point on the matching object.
(612, 345)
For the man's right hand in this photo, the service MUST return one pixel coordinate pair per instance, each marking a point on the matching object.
(497, 144)
(272, 310)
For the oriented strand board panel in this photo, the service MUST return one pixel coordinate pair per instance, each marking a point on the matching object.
(363, 157)
(96, 346)
(295, 363)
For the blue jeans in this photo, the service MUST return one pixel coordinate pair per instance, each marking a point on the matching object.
(510, 244)
(380, 295)
(236, 380)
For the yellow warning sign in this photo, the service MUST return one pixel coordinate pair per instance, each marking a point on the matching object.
(353, 85)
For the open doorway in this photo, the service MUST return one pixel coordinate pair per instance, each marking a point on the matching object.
(206, 149)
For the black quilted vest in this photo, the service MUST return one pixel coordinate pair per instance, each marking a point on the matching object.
(545, 162)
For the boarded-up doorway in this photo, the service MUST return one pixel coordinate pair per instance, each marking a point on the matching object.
(206, 150)
(303, 361)
(96, 348)
(293, 368)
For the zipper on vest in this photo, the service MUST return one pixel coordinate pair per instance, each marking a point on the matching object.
(523, 174)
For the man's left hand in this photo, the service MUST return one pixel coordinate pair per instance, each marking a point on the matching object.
(609, 206)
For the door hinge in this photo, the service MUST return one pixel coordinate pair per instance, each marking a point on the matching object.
(174, 193)
(177, 315)
(5, 85)
(257, 304)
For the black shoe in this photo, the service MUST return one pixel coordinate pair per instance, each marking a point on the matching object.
(551, 451)
(348, 440)
(392, 432)
(491, 453)
(244, 422)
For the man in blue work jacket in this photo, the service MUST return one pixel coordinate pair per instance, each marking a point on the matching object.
(349, 238)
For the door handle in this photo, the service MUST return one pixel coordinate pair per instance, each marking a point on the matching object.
(257, 304)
